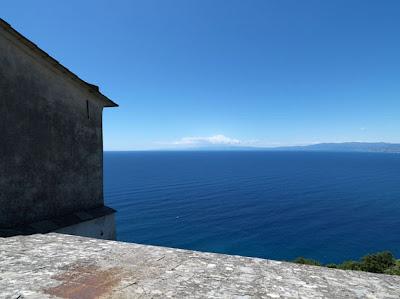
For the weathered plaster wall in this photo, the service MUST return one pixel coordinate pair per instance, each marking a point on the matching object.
(50, 151)
(99, 228)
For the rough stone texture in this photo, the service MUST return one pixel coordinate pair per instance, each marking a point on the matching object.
(51, 151)
(62, 266)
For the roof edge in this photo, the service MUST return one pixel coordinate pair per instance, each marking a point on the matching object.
(33, 47)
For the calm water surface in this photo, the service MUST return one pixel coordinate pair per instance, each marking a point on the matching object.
(277, 205)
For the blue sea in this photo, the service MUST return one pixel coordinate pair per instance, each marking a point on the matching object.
(277, 205)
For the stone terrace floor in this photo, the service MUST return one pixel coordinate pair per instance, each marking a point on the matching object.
(61, 266)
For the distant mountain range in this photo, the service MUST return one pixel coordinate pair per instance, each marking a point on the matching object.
(370, 147)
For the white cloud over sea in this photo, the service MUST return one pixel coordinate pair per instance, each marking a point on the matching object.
(211, 140)
(218, 141)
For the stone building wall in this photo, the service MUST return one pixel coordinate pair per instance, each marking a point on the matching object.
(50, 139)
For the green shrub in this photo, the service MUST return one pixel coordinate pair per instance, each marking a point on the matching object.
(394, 270)
(378, 262)
(350, 265)
(331, 265)
(305, 261)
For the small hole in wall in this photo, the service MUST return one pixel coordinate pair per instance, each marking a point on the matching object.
(87, 109)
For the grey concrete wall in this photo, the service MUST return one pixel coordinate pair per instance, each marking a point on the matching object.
(61, 266)
(50, 151)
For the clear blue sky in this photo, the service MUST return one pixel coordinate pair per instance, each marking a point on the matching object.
(255, 72)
